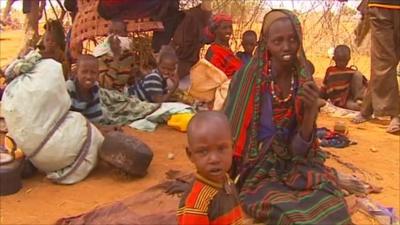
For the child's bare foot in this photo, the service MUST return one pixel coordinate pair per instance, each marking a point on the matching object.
(360, 119)
(394, 126)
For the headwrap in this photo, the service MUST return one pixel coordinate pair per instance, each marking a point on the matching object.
(244, 99)
(214, 23)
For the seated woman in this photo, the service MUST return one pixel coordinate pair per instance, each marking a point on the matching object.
(116, 61)
(219, 53)
(273, 107)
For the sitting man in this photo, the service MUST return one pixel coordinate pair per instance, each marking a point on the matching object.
(116, 61)
(344, 86)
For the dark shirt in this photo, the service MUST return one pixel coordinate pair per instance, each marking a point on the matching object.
(151, 85)
(245, 57)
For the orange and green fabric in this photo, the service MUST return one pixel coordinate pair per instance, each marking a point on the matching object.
(211, 203)
(387, 4)
(281, 178)
(336, 85)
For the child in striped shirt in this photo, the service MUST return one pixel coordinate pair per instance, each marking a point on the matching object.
(153, 87)
(84, 92)
(212, 198)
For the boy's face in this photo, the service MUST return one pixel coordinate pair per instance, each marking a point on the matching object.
(210, 150)
(341, 59)
(87, 73)
(167, 67)
(249, 43)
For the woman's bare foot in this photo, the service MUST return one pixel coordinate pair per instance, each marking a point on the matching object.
(360, 119)
(394, 126)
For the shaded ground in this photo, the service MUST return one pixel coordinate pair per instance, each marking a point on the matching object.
(41, 202)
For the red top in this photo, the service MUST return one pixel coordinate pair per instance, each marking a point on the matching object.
(224, 59)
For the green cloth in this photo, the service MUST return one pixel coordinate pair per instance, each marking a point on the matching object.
(121, 109)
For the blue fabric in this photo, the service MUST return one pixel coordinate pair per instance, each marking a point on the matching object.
(244, 57)
(267, 128)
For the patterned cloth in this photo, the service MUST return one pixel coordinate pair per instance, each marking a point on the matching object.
(336, 85)
(121, 109)
(151, 85)
(22, 65)
(282, 178)
(91, 108)
(224, 59)
(388, 4)
(208, 202)
(115, 74)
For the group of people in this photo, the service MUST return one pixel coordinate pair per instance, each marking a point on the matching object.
(260, 156)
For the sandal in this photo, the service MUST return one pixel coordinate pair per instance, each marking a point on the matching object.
(394, 126)
(360, 119)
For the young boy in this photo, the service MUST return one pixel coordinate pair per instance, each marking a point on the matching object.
(84, 92)
(249, 43)
(153, 87)
(344, 86)
(84, 89)
(212, 198)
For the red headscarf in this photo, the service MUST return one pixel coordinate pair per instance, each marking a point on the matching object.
(215, 21)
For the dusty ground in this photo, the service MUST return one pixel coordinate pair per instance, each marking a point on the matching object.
(41, 202)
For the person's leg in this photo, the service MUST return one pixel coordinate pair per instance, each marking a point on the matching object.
(357, 92)
(383, 95)
(31, 26)
(394, 126)
(357, 87)
(384, 59)
(6, 11)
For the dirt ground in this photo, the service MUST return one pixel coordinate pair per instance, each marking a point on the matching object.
(41, 202)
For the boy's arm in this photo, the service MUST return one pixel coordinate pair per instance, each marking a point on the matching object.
(160, 97)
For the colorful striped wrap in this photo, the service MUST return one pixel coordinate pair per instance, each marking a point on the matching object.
(276, 186)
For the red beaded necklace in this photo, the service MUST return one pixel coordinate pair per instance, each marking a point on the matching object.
(273, 88)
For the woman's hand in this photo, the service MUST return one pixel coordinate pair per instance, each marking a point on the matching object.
(310, 97)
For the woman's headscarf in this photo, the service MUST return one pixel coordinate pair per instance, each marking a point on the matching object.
(213, 24)
(244, 99)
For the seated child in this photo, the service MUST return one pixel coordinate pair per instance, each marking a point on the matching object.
(154, 87)
(116, 60)
(249, 43)
(84, 91)
(344, 86)
(53, 45)
(212, 198)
